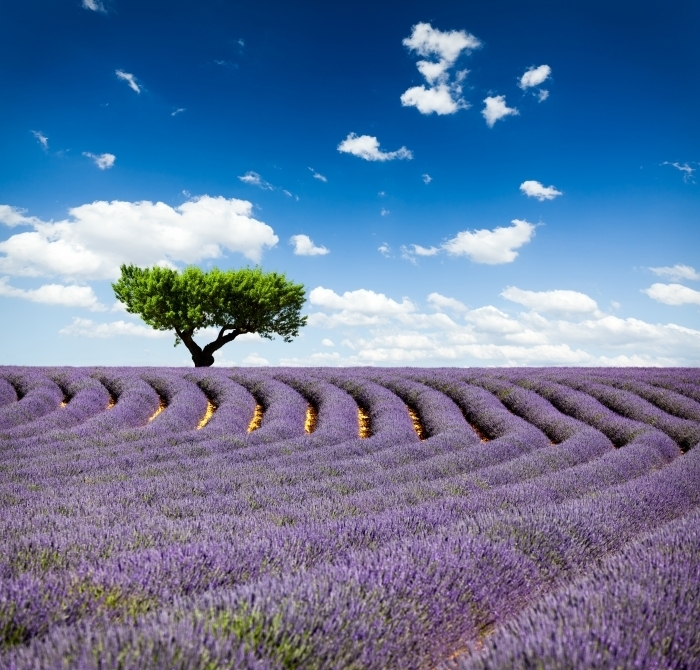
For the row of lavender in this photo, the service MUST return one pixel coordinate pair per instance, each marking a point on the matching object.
(136, 537)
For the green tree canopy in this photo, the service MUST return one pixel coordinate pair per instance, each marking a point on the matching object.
(235, 301)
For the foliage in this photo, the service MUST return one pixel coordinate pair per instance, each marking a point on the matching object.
(235, 301)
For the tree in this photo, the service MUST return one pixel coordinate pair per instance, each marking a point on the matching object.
(235, 301)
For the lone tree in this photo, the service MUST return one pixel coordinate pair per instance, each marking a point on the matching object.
(235, 301)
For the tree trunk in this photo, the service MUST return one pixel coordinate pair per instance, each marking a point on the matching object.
(202, 359)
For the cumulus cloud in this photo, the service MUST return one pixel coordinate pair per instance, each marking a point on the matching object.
(491, 247)
(88, 328)
(441, 99)
(535, 76)
(427, 179)
(533, 189)
(41, 139)
(441, 302)
(361, 307)
(446, 46)
(384, 249)
(542, 95)
(673, 294)
(326, 342)
(677, 272)
(418, 250)
(303, 246)
(685, 169)
(129, 79)
(94, 5)
(561, 301)
(255, 361)
(410, 252)
(99, 236)
(254, 179)
(55, 294)
(367, 147)
(569, 329)
(443, 95)
(495, 108)
(103, 161)
(362, 301)
(15, 216)
(317, 175)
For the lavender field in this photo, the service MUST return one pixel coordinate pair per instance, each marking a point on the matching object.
(349, 518)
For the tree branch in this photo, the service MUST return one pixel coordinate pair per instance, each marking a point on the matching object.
(192, 346)
(222, 339)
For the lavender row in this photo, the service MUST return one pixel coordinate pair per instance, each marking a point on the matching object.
(38, 396)
(684, 432)
(483, 504)
(426, 581)
(135, 526)
(87, 398)
(393, 478)
(666, 399)
(7, 393)
(639, 609)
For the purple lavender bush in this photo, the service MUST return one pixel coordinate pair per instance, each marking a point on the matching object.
(337, 518)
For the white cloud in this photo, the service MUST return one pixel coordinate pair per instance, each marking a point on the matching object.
(179, 110)
(427, 179)
(418, 250)
(41, 139)
(14, 216)
(440, 302)
(327, 343)
(362, 301)
(384, 212)
(367, 147)
(447, 46)
(495, 108)
(441, 99)
(55, 294)
(361, 307)
(88, 328)
(254, 179)
(491, 336)
(303, 246)
(103, 161)
(562, 301)
(129, 79)
(677, 272)
(94, 5)
(542, 95)
(98, 237)
(492, 247)
(384, 249)
(442, 96)
(535, 76)
(490, 319)
(253, 360)
(317, 175)
(673, 294)
(533, 189)
(685, 169)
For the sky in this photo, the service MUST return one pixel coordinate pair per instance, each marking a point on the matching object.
(456, 184)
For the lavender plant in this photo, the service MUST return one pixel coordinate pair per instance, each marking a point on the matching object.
(499, 523)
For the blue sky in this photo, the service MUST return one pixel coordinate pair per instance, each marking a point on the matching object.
(485, 183)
